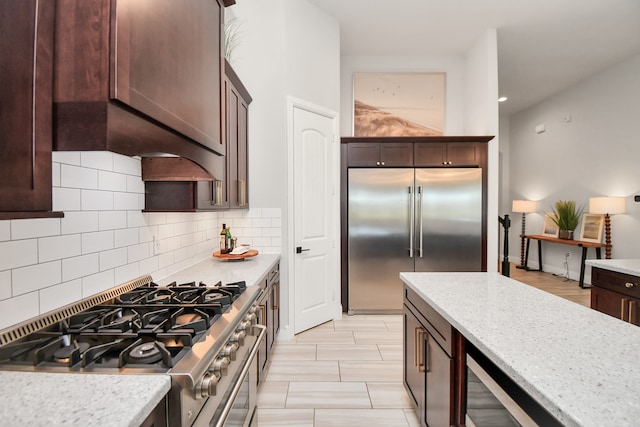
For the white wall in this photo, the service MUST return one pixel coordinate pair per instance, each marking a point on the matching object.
(287, 48)
(453, 66)
(481, 118)
(105, 240)
(596, 153)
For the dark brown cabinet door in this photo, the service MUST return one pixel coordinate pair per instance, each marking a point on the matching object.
(237, 140)
(456, 154)
(167, 63)
(439, 369)
(615, 304)
(380, 154)
(26, 54)
(414, 376)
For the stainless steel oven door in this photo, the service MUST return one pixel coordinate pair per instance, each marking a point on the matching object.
(239, 399)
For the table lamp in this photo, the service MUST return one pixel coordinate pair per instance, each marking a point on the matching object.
(524, 206)
(607, 206)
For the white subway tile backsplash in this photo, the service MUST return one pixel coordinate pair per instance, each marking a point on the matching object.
(85, 265)
(66, 157)
(78, 177)
(79, 222)
(127, 272)
(55, 174)
(138, 252)
(53, 248)
(127, 165)
(135, 184)
(18, 309)
(126, 237)
(66, 199)
(149, 264)
(97, 283)
(30, 228)
(5, 284)
(112, 259)
(5, 230)
(34, 277)
(102, 160)
(126, 201)
(18, 253)
(112, 220)
(104, 239)
(112, 181)
(60, 295)
(95, 200)
(97, 242)
(135, 219)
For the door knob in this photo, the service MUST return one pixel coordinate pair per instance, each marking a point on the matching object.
(299, 250)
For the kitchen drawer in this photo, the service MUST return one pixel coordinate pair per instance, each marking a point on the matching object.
(437, 325)
(625, 284)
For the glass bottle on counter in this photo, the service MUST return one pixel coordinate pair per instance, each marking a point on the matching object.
(229, 240)
(224, 246)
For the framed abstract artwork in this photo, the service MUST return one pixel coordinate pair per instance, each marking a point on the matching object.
(398, 104)
(549, 227)
(592, 225)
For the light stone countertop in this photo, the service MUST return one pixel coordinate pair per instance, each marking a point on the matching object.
(626, 266)
(212, 270)
(67, 399)
(581, 365)
(44, 399)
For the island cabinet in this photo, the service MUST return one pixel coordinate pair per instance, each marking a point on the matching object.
(26, 61)
(433, 364)
(616, 294)
(269, 316)
(139, 77)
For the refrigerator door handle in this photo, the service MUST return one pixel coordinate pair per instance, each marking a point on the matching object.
(411, 220)
(420, 213)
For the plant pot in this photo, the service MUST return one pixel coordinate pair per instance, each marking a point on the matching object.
(565, 234)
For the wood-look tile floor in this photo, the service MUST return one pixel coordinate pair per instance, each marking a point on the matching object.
(348, 372)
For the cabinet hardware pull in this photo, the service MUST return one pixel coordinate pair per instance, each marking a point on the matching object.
(263, 314)
(420, 213)
(382, 163)
(631, 306)
(274, 294)
(622, 303)
(426, 355)
(412, 220)
(418, 348)
(377, 163)
(629, 285)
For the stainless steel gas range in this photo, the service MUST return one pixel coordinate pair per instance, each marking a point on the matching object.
(205, 337)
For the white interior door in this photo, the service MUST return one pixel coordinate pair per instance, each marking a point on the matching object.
(316, 282)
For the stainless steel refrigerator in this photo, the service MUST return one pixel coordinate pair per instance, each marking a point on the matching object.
(409, 220)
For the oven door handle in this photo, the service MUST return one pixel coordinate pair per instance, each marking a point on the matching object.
(245, 371)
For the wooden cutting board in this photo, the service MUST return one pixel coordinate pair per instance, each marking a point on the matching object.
(250, 253)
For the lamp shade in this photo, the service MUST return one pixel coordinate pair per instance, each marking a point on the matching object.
(525, 206)
(607, 205)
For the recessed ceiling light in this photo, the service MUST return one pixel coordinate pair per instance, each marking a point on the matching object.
(502, 99)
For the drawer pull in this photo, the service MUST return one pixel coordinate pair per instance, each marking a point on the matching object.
(622, 303)
(629, 285)
(417, 357)
(631, 306)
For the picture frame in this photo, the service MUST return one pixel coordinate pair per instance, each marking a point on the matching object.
(399, 104)
(592, 226)
(549, 227)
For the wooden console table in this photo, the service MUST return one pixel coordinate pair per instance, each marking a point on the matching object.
(579, 243)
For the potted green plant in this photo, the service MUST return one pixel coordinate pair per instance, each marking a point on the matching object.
(566, 215)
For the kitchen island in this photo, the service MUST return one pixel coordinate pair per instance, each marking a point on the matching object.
(580, 365)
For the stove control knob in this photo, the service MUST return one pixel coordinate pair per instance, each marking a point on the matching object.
(229, 351)
(238, 337)
(219, 366)
(251, 318)
(207, 386)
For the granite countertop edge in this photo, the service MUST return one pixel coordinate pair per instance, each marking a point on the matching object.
(625, 266)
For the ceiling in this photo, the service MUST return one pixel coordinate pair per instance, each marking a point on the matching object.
(543, 45)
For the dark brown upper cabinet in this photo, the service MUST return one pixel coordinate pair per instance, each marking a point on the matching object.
(380, 154)
(139, 77)
(455, 154)
(26, 64)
